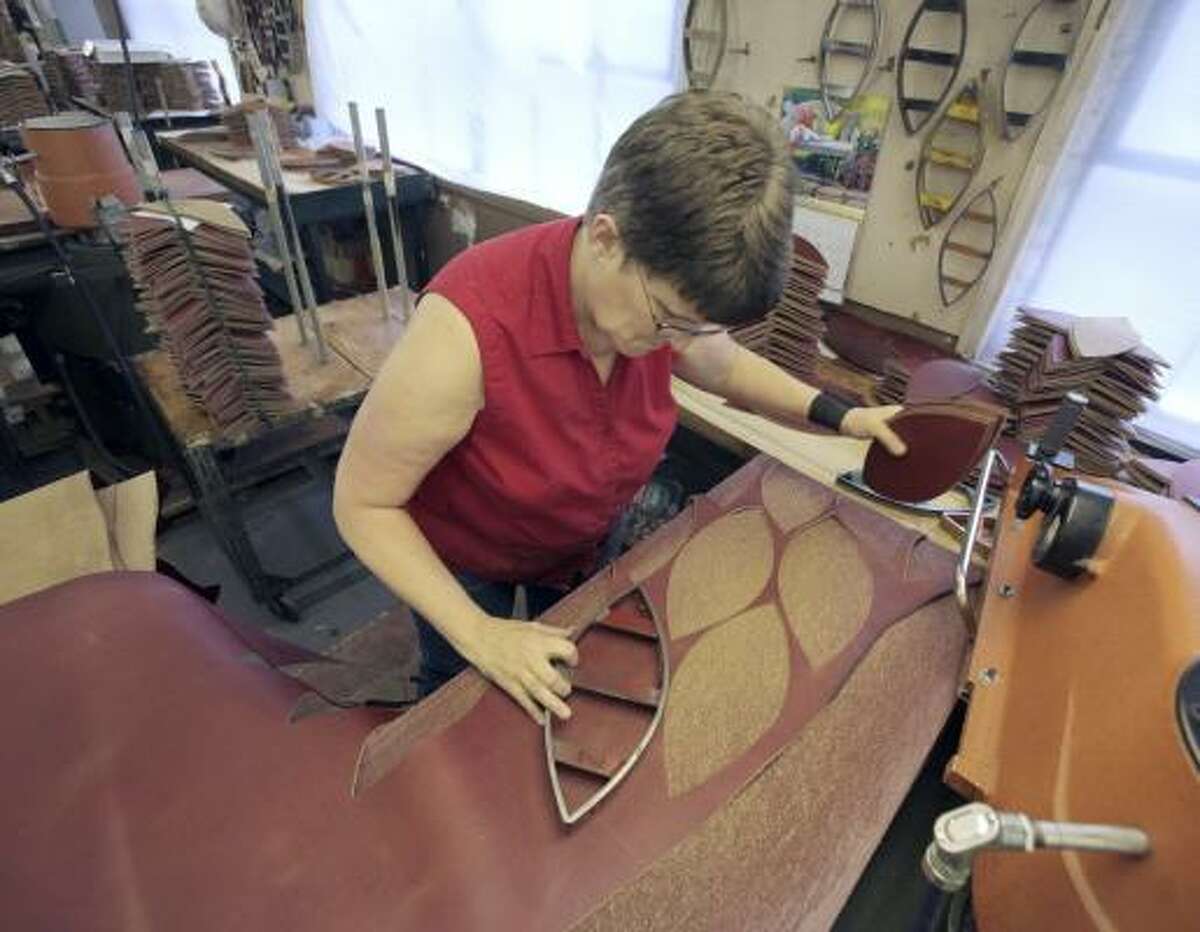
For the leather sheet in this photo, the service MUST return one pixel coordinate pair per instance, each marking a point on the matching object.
(945, 442)
(174, 794)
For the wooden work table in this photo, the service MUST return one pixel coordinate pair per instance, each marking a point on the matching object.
(314, 202)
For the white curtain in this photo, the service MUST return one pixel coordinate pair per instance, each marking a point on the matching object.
(517, 97)
(1127, 242)
(176, 26)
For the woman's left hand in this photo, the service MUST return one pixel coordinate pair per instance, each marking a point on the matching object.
(872, 424)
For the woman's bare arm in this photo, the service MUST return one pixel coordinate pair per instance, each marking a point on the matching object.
(420, 406)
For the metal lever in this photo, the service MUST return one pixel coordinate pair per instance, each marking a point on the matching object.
(1064, 422)
(1039, 491)
(962, 569)
(960, 834)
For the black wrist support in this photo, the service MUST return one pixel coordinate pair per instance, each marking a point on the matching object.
(828, 411)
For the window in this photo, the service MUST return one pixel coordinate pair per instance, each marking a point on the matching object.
(517, 97)
(1126, 245)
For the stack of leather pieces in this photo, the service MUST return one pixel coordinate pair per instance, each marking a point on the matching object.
(189, 85)
(1169, 478)
(20, 95)
(70, 73)
(945, 441)
(1051, 353)
(210, 312)
(894, 385)
(238, 127)
(789, 334)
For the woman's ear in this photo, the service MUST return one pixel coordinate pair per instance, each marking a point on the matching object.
(605, 239)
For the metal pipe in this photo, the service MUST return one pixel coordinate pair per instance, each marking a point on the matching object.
(276, 221)
(960, 834)
(296, 245)
(393, 210)
(962, 569)
(364, 178)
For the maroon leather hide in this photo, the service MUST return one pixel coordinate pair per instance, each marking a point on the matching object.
(154, 780)
(945, 442)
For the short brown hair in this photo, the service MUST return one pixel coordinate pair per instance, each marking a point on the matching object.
(701, 188)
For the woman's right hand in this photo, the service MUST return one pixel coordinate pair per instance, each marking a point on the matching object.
(519, 656)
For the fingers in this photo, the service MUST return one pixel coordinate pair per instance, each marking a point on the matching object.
(559, 646)
(554, 680)
(547, 699)
(890, 440)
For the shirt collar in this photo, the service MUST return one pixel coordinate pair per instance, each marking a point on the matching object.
(552, 326)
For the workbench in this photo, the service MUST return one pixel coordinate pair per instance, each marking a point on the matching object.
(216, 463)
(314, 202)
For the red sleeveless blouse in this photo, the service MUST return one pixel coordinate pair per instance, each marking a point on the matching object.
(531, 491)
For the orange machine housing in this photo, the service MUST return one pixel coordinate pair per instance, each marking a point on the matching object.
(1073, 717)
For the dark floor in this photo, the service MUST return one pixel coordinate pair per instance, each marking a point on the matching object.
(291, 526)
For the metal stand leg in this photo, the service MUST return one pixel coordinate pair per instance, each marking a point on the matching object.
(216, 503)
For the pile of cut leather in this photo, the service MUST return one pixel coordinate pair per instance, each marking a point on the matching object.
(788, 335)
(189, 85)
(1051, 353)
(238, 127)
(172, 85)
(207, 305)
(20, 95)
(1163, 477)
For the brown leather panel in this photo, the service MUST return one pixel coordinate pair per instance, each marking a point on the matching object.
(945, 441)
(826, 588)
(785, 853)
(1078, 721)
(942, 380)
(792, 501)
(720, 571)
(728, 691)
(162, 733)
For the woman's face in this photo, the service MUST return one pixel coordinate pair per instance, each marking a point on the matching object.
(636, 312)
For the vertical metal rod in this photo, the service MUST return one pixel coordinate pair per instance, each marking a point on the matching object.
(285, 201)
(289, 271)
(393, 210)
(364, 178)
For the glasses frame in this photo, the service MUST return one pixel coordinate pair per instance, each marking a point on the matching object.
(678, 325)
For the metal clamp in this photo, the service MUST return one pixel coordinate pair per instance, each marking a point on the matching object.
(962, 569)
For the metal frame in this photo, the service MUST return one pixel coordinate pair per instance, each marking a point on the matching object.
(568, 816)
(907, 53)
(720, 37)
(971, 213)
(972, 161)
(831, 46)
(1052, 61)
(962, 569)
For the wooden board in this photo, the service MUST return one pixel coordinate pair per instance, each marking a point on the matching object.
(241, 174)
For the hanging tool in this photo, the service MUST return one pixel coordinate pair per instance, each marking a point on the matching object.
(393, 210)
(364, 178)
(292, 248)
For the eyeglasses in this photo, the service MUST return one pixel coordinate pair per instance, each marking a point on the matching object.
(674, 324)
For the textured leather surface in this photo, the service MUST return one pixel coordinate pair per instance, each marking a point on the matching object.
(173, 792)
(945, 442)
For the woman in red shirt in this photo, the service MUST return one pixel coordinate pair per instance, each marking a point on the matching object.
(530, 397)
